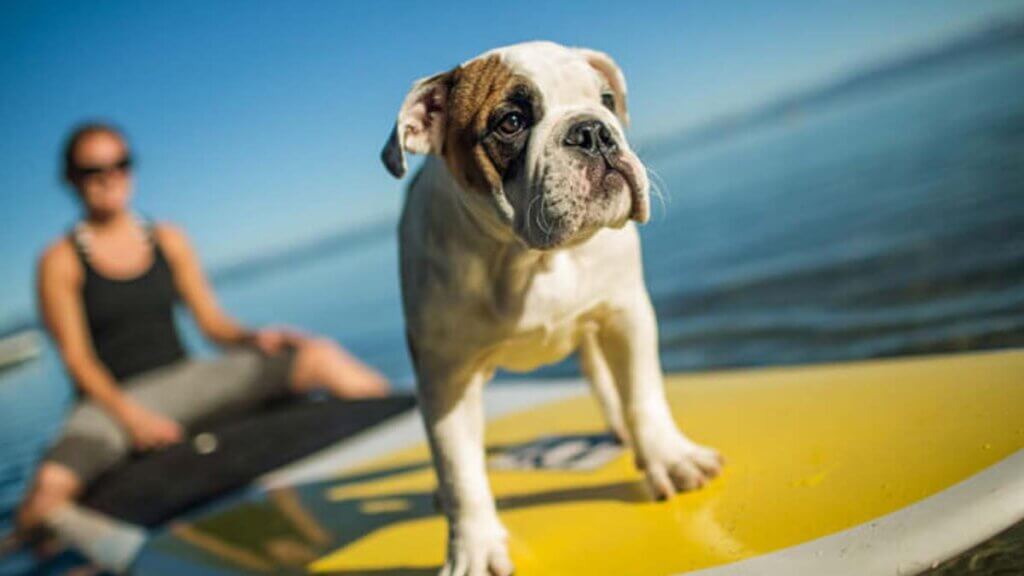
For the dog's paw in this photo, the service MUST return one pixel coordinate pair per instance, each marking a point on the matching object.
(678, 465)
(478, 549)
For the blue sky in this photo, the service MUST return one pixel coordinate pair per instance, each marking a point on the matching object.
(257, 125)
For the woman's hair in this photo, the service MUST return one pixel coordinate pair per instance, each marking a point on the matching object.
(79, 133)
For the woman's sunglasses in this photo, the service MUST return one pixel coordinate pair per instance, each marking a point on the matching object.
(121, 166)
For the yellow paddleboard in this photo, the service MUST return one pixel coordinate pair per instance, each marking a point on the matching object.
(881, 467)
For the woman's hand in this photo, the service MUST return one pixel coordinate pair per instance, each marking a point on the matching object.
(149, 430)
(270, 341)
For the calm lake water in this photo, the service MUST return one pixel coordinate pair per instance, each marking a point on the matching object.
(888, 221)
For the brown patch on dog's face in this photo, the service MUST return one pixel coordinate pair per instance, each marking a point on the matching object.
(533, 135)
(490, 112)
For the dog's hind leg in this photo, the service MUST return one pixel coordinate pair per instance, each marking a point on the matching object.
(599, 375)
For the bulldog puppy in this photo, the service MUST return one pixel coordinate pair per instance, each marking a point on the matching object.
(518, 246)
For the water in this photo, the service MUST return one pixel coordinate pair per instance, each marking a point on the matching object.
(888, 224)
(883, 223)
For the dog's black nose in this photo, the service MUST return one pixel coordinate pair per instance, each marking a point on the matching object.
(590, 136)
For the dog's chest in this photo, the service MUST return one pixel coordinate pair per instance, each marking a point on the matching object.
(548, 326)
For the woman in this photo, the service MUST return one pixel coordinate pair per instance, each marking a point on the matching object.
(106, 293)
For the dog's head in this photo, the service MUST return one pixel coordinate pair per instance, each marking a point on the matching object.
(536, 130)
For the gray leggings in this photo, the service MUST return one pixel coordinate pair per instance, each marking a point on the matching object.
(189, 392)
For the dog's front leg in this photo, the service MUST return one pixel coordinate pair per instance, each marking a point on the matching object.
(453, 413)
(671, 461)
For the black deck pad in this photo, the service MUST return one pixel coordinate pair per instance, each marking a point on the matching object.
(150, 489)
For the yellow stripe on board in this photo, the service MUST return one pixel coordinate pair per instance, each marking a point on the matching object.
(811, 451)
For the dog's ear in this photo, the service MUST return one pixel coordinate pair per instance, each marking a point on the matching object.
(421, 123)
(612, 74)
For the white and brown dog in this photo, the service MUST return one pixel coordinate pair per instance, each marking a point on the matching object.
(518, 247)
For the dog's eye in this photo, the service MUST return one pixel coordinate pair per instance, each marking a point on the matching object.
(608, 99)
(511, 124)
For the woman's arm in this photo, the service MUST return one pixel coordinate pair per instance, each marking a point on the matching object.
(58, 282)
(195, 290)
(60, 305)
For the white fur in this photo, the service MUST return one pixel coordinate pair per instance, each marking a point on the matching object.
(476, 298)
(571, 88)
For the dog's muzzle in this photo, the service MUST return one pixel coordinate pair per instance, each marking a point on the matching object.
(609, 169)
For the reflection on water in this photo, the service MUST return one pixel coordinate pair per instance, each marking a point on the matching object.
(286, 529)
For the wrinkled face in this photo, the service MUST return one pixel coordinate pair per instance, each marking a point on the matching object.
(537, 129)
